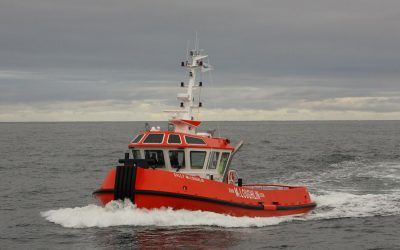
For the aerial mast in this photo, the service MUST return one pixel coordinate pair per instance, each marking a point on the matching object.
(183, 118)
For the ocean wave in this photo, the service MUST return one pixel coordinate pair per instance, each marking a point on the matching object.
(347, 205)
(123, 213)
(117, 213)
(358, 176)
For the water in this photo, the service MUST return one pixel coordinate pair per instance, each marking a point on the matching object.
(48, 171)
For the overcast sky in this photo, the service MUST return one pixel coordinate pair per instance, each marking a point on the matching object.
(95, 60)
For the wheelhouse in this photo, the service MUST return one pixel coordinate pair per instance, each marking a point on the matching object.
(198, 155)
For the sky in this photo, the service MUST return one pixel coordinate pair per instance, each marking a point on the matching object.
(97, 60)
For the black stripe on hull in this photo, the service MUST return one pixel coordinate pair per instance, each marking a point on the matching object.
(296, 207)
(103, 191)
(199, 198)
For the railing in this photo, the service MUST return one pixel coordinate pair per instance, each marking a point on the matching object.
(270, 186)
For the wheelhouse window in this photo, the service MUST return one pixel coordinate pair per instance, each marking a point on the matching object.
(154, 138)
(177, 158)
(156, 158)
(136, 154)
(138, 138)
(222, 163)
(194, 140)
(174, 139)
(171, 127)
(197, 159)
(214, 160)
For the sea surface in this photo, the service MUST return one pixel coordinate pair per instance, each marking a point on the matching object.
(352, 168)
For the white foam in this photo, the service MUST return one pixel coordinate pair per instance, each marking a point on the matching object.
(330, 205)
(343, 205)
(384, 170)
(125, 213)
(387, 173)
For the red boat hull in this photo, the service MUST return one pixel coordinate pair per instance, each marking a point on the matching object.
(154, 188)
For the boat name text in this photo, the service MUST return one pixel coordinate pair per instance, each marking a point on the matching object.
(188, 177)
(245, 193)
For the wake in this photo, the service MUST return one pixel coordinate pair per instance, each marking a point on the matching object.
(117, 213)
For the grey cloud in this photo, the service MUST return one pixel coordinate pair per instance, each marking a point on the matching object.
(290, 52)
(284, 37)
(24, 87)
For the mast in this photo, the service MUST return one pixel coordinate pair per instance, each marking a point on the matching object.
(183, 118)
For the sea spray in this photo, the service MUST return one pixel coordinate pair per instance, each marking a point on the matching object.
(118, 213)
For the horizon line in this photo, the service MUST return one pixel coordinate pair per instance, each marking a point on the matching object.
(325, 120)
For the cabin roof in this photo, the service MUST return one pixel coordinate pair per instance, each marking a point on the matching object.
(169, 139)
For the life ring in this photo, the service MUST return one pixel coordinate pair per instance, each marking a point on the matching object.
(231, 177)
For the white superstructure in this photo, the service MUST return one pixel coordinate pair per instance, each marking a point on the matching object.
(183, 118)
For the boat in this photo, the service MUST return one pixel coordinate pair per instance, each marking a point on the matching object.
(182, 168)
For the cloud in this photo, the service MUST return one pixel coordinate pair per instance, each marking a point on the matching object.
(87, 59)
(151, 110)
(54, 96)
(106, 110)
(365, 104)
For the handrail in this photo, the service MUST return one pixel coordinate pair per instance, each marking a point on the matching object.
(269, 185)
(228, 164)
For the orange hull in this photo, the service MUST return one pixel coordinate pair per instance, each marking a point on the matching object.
(154, 188)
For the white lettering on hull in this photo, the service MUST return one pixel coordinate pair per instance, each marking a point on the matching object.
(247, 194)
(188, 177)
